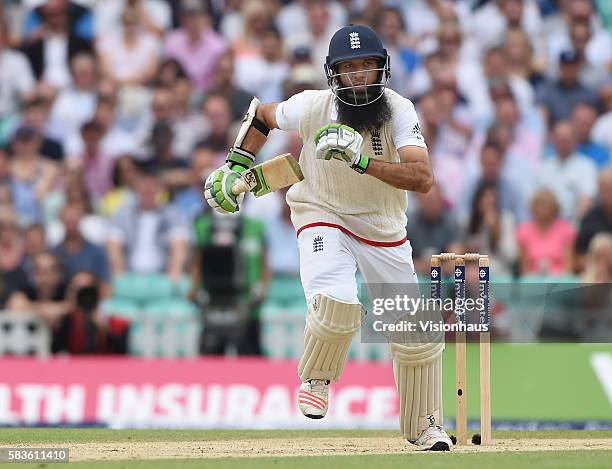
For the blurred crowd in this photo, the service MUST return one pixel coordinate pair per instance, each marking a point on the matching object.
(113, 111)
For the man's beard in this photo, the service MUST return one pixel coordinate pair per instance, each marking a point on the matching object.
(367, 118)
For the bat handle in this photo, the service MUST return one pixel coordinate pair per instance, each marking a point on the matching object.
(239, 186)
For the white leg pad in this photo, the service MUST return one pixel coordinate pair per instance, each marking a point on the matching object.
(330, 326)
(418, 377)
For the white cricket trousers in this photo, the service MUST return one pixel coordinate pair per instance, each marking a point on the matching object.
(329, 259)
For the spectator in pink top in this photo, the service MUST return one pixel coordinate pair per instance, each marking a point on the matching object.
(195, 45)
(546, 241)
(97, 167)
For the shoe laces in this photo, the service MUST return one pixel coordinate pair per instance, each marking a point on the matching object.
(318, 385)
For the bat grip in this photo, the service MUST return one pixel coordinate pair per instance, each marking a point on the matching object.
(239, 186)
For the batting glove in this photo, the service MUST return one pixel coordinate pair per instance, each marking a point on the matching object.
(218, 190)
(343, 143)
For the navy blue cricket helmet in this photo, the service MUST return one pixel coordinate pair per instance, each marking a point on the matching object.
(357, 42)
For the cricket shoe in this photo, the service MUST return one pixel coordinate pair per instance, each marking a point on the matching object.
(433, 438)
(313, 398)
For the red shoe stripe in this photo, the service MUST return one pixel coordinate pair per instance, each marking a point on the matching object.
(308, 398)
(312, 403)
(312, 396)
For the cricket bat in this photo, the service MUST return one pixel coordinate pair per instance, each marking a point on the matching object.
(270, 176)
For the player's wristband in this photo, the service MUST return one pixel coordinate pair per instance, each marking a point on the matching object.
(240, 160)
(361, 165)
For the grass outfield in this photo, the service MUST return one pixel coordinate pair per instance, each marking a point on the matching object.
(130, 449)
(567, 460)
(10, 436)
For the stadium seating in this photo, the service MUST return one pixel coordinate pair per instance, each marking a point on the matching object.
(287, 291)
(23, 333)
(162, 321)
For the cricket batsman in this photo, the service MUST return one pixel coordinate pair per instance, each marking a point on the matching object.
(362, 151)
